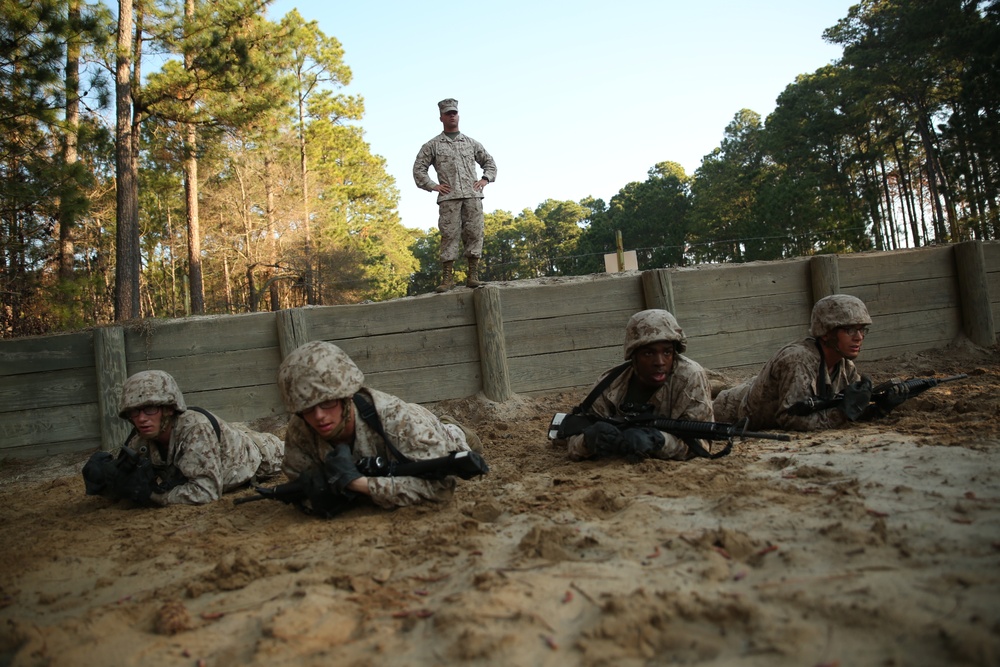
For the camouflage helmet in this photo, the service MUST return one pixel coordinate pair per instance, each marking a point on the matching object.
(837, 310)
(315, 372)
(150, 388)
(651, 326)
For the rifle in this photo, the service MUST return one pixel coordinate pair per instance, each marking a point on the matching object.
(310, 493)
(565, 425)
(914, 387)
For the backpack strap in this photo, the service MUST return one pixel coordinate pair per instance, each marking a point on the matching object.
(370, 416)
(598, 389)
(211, 418)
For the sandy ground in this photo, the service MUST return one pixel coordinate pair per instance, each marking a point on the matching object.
(878, 544)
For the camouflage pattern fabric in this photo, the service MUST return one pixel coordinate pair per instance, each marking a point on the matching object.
(837, 310)
(791, 375)
(413, 430)
(150, 388)
(315, 372)
(461, 220)
(211, 465)
(685, 395)
(454, 162)
(460, 212)
(652, 326)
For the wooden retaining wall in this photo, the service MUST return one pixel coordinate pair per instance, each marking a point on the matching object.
(60, 393)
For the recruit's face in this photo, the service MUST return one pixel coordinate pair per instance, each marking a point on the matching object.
(148, 420)
(847, 340)
(653, 363)
(326, 418)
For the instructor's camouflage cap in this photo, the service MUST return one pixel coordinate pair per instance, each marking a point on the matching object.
(837, 310)
(447, 105)
(651, 326)
(150, 388)
(315, 372)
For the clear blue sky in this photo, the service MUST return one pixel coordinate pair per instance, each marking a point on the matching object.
(572, 98)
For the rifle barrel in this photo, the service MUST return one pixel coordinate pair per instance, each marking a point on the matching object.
(712, 430)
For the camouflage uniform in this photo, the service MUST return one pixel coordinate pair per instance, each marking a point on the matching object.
(685, 395)
(797, 372)
(211, 465)
(461, 210)
(319, 371)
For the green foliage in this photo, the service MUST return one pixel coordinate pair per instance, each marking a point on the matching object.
(652, 216)
(895, 144)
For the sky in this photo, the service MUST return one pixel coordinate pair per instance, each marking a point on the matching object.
(571, 98)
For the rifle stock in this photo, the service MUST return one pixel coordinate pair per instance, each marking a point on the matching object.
(914, 386)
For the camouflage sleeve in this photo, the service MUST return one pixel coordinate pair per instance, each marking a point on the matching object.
(197, 457)
(796, 382)
(417, 434)
(486, 161)
(300, 448)
(695, 397)
(692, 403)
(421, 167)
(576, 448)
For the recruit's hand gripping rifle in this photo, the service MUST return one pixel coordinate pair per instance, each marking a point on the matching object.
(129, 475)
(885, 396)
(311, 493)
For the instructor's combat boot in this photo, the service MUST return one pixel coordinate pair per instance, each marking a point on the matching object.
(473, 278)
(447, 277)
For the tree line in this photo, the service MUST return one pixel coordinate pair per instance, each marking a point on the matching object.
(234, 176)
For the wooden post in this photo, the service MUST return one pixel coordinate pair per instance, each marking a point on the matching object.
(825, 276)
(620, 248)
(110, 367)
(658, 289)
(492, 348)
(292, 330)
(974, 293)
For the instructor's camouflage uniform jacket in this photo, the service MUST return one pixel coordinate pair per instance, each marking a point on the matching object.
(454, 162)
(796, 372)
(211, 465)
(685, 395)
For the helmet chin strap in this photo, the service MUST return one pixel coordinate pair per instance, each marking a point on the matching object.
(166, 425)
(347, 415)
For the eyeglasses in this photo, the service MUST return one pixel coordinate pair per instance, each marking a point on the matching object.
(855, 330)
(148, 410)
(325, 405)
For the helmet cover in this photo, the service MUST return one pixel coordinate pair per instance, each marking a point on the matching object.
(315, 372)
(652, 326)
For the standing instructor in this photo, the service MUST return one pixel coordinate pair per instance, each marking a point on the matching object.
(460, 192)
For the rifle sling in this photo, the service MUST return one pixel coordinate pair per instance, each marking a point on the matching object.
(599, 388)
(370, 416)
(700, 451)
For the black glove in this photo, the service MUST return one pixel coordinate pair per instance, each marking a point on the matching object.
(892, 398)
(857, 396)
(139, 485)
(641, 443)
(314, 496)
(100, 476)
(603, 439)
(340, 469)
